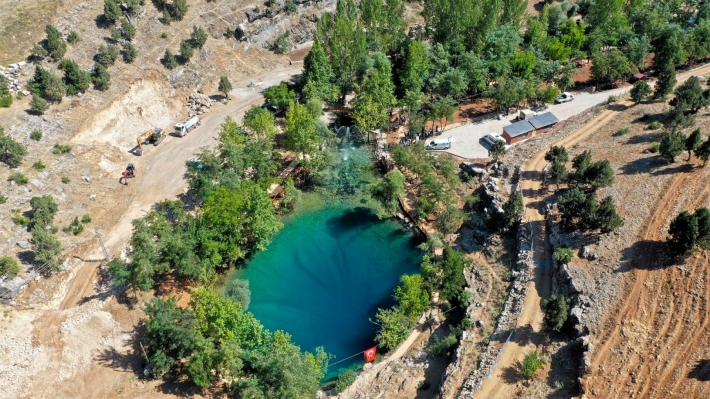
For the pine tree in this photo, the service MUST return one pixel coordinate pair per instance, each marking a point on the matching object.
(55, 45)
(198, 37)
(317, 78)
(112, 11)
(186, 51)
(169, 60)
(666, 82)
(101, 77)
(225, 86)
(129, 53)
(128, 30)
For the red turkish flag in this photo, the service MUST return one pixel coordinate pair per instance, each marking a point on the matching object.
(370, 354)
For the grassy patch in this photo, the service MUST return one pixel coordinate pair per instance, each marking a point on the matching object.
(65, 179)
(36, 135)
(39, 165)
(18, 178)
(622, 132)
(61, 148)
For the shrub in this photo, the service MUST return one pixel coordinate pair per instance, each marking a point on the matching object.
(655, 125)
(65, 180)
(11, 152)
(47, 248)
(281, 44)
(238, 291)
(39, 165)
(75, 79)
(555, 310)
(18, 178)
(5, 96)
(611, 99)
(86, 218)
(3, 199)
(344, 380)
(198, 37)
(107, 55)
(73, 37)
(61, 148)
(36, 135)
(128, 31)
(442, 346)
(9, 267)
(622, 131)
(449, 220)
(423, 385)
(563, 255)
(112, 11)
(164, 35)
(6, 101)
(186, 50)
(55, 44)
(169, 60)
(38, 104)
(18, 219)
(655, 147)
(75, 227)
(531, 364)
(100, 77)
(291, 7)
(129, 53)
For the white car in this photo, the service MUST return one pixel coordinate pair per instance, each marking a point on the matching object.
(564, 98)
(491, 138)
(439, 144)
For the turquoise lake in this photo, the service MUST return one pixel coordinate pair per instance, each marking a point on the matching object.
(324, 275)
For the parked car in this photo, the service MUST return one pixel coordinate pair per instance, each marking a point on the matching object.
(564, 97)
(439, 144)
(491, 138)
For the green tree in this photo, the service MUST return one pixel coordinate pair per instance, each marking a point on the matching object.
(178, 9)
(38, 104)
(241, 219)
(300, 130)
(558, 173)
(605, 218)
(5, 96)
(611, 66)
(453, 83)
(169, 60)
(513, 211)
(450, 220)
(393, 327)
(317, 79)
(443, 108)
(9, 267)
(556, 311)
(225, 86)
(47, 249)
(280, 95)
(637, 49)
(703, 152)
(672, 144)
(238, 291)
(497, 150)
(55, 44)
(557, 154)
(198, 37)
(100, 77)
(411, 296)
(683, 232)
(75, 79)
(476, 71)
(47, 85)
(690, 96)
(112, 11)
(693, 142)
(640, 91)
(107, 55)
(665, 83)
(532, 362)
(186, 50)
(11, 152)
(43, 210)
(416, 67)
(127, 29)
(170, 333)
(73, 37)
(375, 97)
(669, 47)
(129, 53)
(260, 123)
(576, 208)
(387, 191)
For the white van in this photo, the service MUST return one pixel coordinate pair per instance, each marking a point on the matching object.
(491, 138)
(439, 144)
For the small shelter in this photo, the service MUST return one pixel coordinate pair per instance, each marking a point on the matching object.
(543, 121)
(523, 130)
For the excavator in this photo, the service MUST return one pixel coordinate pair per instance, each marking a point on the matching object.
(129, 172)
(154, 136)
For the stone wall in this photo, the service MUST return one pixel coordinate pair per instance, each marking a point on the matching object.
(507, 321)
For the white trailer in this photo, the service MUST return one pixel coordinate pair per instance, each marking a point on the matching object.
(183, 127)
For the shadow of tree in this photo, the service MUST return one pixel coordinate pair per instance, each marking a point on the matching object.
(701, 371)
(511, 375)
(682, 168)
(640, 165)
(564, 369)
(646, 255)
(648, 137)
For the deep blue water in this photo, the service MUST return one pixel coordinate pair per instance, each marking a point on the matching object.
(325, 274)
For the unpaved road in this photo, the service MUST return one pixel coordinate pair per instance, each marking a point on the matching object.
(160, 172)
(496, 386)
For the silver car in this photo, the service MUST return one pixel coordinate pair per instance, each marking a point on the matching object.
(564, 98)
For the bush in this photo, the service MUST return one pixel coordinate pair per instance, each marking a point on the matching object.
(655, 147)
(112, 11)
(39, 165)
(291, 7)
(73, 37)
(169, 60)
(100, 77)
(531, 364)
(75, 227)
(61, 148)
(186, 51)
(129, 53)
(164, 35)
(555, 310)
(611, 99)
(18, 178)
(47, 248)
(198, 37)
(9, 267)
(238, 291)
(20, 220)
(107, 55)
(6, 101)
(281, 44)
(449, 220)
(11, 152)
(128, 31)
(345, 380)
(3, 199)
(36, 135)
(655, 125)
(65, 180)
(55, 44)
(563, 255)
(442, 346)
(622, 131)
(86, 218)
(38, 104)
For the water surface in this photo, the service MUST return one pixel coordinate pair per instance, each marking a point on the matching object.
(324, 276)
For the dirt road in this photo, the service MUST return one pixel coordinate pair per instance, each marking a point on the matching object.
(496, 386)
(160, 170)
